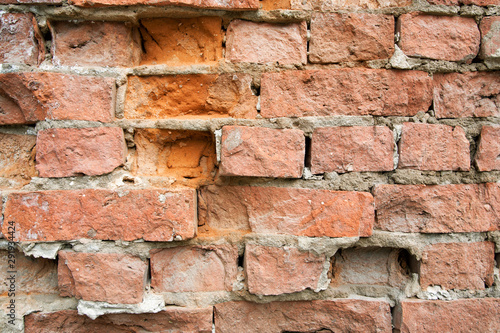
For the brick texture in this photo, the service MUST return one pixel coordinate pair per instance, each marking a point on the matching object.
(17, 165)
(352, 92)
(433, 147)
(65, 152)
(102, 277)
(351, 37)
(215, 4)
(20, 39)
(262, 152)
(489, 149)
(490, 37)
(332, 5)
(465, 2)
(157, 215)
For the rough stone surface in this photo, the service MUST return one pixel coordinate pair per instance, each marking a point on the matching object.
(20, 39)
(462, 315)
(458, 265)
(370, 266)
(102, 277)
(438, 208)
(65, 152)
(262, 152)
(95, 44)
(340, 315)
(350, 37)
(153, 215)
(467, 95)
(452, 38)
(331, 5)
(465, 2)
(17, 159)
(33, 276)
(173, 320)
(433, 147)
(181, 41)
(488, 151)
(30, 97)
(357, 148)
(191, 95)
(490, 37)
(281, 270)
(194, 268)
(293, 211)
(348, 91)
(215, 4)
(188, 156)
(266, 42)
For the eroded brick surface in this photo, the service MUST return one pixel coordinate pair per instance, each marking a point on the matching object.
(490, 37)
(17, 165)
(20, 39)
(488, 151)
(215, 4)
(331, 5)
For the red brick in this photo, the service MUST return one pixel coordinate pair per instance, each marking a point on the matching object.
(438, 208)
(17, 164)
(433, 147)
(357, 148)
(20, 39)
(215, 4)
(95, 44)
(153, 215)
(465, 2)
(262, 152)
(340, 315)
(489, 149)
(490, 37)
(65, 152)
(349, 91)
(334, 5)
(370, 266)
(467, 95)
(480, 315)
(31, 2)
(292, 211)
(173, 320)
(350, 37)
(30, 97)
(181, 41)
(192, 95)
(281, 270)
(266, 42)
(194, 268)
(452, 38)
(102, 277)
(458, 265)
(275, 4)
(33, 275)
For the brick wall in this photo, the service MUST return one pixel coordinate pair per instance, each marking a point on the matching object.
(250, 166)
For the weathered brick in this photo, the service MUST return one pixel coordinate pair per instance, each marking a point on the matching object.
(467, 95)
(452, 38)
(20, 39)
(281, 270)
(340, 315)
(266, 42)
(65, 152)
(293, 211)
(181, 41)
(33, 275)
(350, 91)
(350, 37)
(153, 215)
(458, 265)
(489, 149)
(215, 4)
(102, 277)
(194, 268)
(332, 5)
(186, 156)
(480, 315)
(438, 208)
(31, 2)
(370, 266)
(275, 4)
(17, 164)
(30, 97)
(262, 152)
(95, 44)
(192, 95)
(490, 37)
(173, 320)
(357, 148)
(464, 2)
(433, 147)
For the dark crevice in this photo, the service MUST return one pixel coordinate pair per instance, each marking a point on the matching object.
(408, 263)
(307, 157)
(241, 260)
